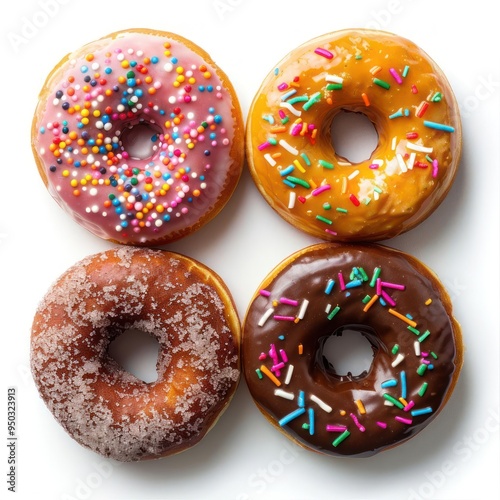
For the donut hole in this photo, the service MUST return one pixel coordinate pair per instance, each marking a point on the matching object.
(137, 353)
(353, 136)
(348, 353)
(140, 140)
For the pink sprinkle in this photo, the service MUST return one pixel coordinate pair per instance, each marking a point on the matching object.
(321, 189)
(283, 86)
(265, 293)
(282, 114)
(341, 281)
(289, 302)
(382, 424)
(409, 406)
(329, 231)
(396, 76)
(435, 168)
(273, 354)
(296, 129)
(277, 367)
(283, 355)
(262, 146)
(324, 53)
(424, 354)
(356, 421)
(396, 286)
(414, 89)
(379, 287)
(374, 166)
(284, 318)
(262, 356)
(407, 421)
(412, 135)
(336, 428)
(387, 298)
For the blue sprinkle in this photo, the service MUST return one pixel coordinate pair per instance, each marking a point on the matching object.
(291, 416)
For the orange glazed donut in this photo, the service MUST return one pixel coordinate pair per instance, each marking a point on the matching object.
(139, 137)
(412, 107)
(330, 289)
(177, 300)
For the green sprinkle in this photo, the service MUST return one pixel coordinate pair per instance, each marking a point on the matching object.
(285, 120)
(358, 57)
(324, 219)
(424, 336)
(305, 426)
(306, 159)
(382, 83)
(395, 349)
(363, 274)
(334, 313)
(342, 210)
(434, 355)
(300, 182)
(326, 164)
(437, 97)
(366, 299)
(341, 438)
(300, 98)
(334, 86)
(327, 206)
(376, 275)
(394, 401)
(272, 141)
(313, 100)
(422, 389)
(414, 330)
(377, 189)
(405, 71)
(422, 369)
(259, 373)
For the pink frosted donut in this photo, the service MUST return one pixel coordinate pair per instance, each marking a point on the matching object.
(139, 137)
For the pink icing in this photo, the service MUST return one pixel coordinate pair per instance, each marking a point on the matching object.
(111, 86)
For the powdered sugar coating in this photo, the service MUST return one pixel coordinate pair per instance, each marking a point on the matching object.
(108, 409)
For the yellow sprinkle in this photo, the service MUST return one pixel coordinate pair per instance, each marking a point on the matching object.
(428, 302)
(299, 166)
(361, 406)
(270, 375)
(301, 349)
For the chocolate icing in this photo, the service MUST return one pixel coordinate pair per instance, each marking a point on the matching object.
(358, 403)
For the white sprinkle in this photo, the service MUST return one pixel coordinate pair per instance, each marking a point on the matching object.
(353, 175)
(290, 108)
(303, 309)
(289, 148)
(398, 360)
(394, 142)
(416, 346)
(418, 147)
(289, 374)
(334, 79)
(321, 403)
(411, 161)
(265, 316)
(401, 162)
(291, 200)
(270, 159)
(283, 394)
(328, 308)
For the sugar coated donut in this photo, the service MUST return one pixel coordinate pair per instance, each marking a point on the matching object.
(390, 298)
(413, 109)
(139, 137)
(177, 300)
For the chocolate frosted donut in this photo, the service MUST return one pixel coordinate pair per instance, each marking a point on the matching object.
(396, 303)
(181, 303)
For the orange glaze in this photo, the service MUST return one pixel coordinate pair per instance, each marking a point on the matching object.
(400, 89)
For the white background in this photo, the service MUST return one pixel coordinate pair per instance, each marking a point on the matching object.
(456, 457)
